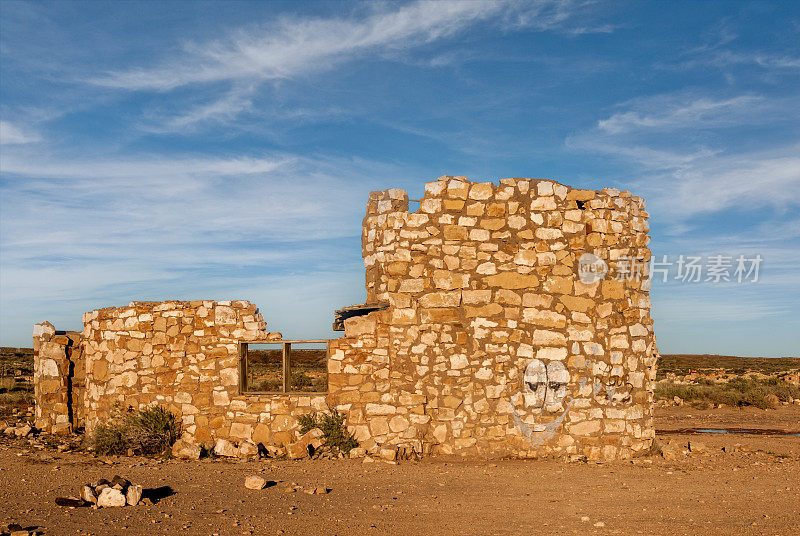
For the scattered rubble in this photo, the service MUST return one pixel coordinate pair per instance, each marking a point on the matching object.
(15, 529)
(226, 448)
(117, 492)
(306, 445)
(318, 489)
(696, 446)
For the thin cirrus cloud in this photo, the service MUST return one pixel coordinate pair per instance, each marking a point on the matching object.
(280, 198)
(293, 47)
(664, 137)
(142, 168)
(11, 134)
(674, 113)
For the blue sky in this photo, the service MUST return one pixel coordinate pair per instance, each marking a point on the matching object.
(157, 150)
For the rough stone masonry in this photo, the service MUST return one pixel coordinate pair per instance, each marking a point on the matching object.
(513, 324)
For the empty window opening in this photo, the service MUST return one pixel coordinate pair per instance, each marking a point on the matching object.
(287, 366)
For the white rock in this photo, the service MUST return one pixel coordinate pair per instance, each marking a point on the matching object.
(111, 497)
(248, 450)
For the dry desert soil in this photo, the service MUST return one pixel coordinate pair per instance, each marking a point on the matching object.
(750, 487)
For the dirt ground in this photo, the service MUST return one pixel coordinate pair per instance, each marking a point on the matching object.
(755, 489)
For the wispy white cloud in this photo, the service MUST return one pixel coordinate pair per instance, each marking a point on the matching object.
(686, 173)
(80, 234)
(726, 58)
(674, 112)
(224, 109)
(11, 134)
(293, 47)
(140, 169)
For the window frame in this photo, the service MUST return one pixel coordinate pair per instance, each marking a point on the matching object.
(286, 359)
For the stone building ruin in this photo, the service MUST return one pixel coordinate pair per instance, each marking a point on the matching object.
(508, 319)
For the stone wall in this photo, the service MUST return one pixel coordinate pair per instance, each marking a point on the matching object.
(492, 329)
(492, 344)
(183, 355)
(58, 379)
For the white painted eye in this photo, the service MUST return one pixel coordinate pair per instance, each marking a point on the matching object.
(557, 380)
(535, 386)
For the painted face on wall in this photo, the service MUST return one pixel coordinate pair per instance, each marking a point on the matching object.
(535, 386)
(545, 386)
(557, 380)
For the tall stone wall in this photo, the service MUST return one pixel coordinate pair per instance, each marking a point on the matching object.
(493, 328)
(58, 374)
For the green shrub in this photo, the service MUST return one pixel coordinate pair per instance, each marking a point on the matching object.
(334, 430)
(150, 431)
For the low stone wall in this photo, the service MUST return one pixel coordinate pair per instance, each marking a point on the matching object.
(185, 356)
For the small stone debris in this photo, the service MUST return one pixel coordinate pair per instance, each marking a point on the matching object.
(358, 452)
(18, 430)
(87, 494)
(134, 494)
(248, 450)
(111, 497)
(15, 529)
(671, 451)
(101, 493)
(255, 482)
(696, 446)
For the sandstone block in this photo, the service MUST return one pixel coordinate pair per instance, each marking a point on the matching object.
(186, 451)
(512, 280)
(255, 482)
(248, 450)
(133, 494)
(225, 448)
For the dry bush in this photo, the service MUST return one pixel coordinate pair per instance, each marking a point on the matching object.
(150, 431)
(334, 430)
(736, 392)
